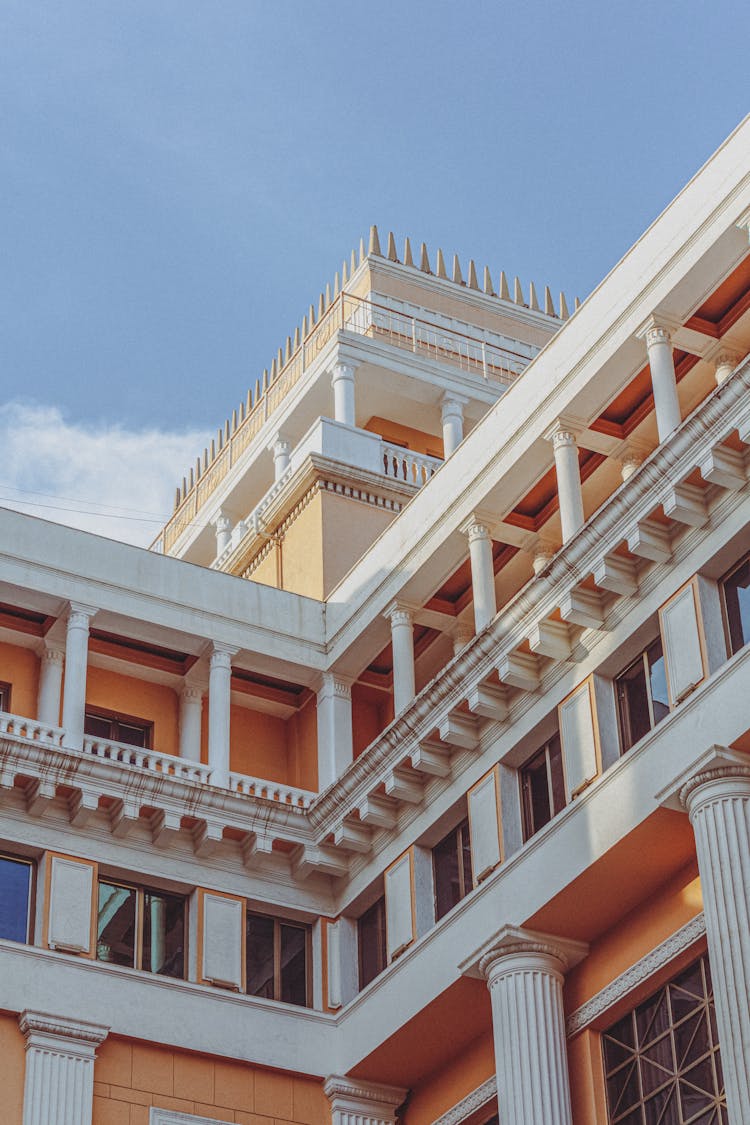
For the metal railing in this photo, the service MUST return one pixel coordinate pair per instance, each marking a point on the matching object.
(347, 313)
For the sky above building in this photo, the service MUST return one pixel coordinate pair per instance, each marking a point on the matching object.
(180, 179)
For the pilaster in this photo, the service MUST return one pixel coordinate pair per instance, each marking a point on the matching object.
(59, 1081)
(354, 1102)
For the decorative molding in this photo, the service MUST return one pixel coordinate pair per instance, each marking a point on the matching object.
(471, 1104)
(633, 977)
(338, 1086)
(42, 1028)
(177, 1117)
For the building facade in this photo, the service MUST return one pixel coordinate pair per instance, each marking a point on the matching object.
(406, 777)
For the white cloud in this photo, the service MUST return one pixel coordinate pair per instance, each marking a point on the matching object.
(99, 477)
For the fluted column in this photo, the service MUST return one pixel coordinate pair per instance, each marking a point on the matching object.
(482, 574)
(342, 379)
(524, 973)
(452, 416)
(335, 737)
(50, 686)
(663, 378)
(76, 665)
(356, 1102)
(59, 1080)
(219, 703)
(191, 709)
(402, 643)
(718, 803)
(569, 492)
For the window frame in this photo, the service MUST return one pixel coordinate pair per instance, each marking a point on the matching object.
(642, 657)
(528, 832)
(31, 905)
(743, 561)
(6, 692)
(140, 914)
(118, 718)
(463, 827)
(379, 904)
(278, 922)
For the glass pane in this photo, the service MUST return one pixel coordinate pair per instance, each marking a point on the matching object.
(657, 681)
(737, 598)
(632, 702)
(260, 955)
(535, 788)
(556, 774)
(115, 932)
(293, 964)
(447, 883)
(15, 889)
(98, 727)
(163, 934)
(133, 735)
(371, 933)
(466, 856)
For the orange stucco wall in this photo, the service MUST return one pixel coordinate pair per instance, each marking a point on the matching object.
(302, 552)
(350, 527)
(302, 747)
(416, 440)
(130, 1077)
(258, 744)
(12, 1064)
(139, 698)
(19, 667)
(370, 715)
(442, 1089)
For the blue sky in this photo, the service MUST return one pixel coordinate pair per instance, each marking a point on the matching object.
(180, 180)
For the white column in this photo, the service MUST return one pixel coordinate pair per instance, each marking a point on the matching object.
(219, 702)
(718, 803)
(461, 635)
(569, 492)
(356, 1102)
(281, 448)
(59, 1081)
(725, 364)
(191, 708)
(452, 412)
(663, 380)
(342, 378)
(525, 977)
(542, 553)
(335, 738)
(50, 686)
(402, 643)
(482, 574)
(76, 663)
(223, 529)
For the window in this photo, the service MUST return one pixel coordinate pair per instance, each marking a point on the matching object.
(371, 935)
(15, 899)
(140, 928)
(278, 956)
(736, 589)
(4, 697)
(662, 1061)
(118, 728)
(542, 787)
(642, 699)
(451, 864)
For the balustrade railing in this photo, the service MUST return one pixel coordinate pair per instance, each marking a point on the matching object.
(405, 465)
(30, 728)
(183, 768)
(347, 313)
(271, 790)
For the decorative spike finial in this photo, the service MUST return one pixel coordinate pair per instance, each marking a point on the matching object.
(177, 499)
(264, 385)
(549, 304)
(518, 292)
(440, 265)
(488, 282)
(213, 449)
(563, 307)
(374, 247)
(533, 300)
(473, 283)
(279, 361)
(336, 285)
(296, 338)
(328, 296)
(391, 252)
(408, 260)
(576, 304)
(197, 468)
(304, 327)
(205, 459)
(192, 480)
(503, 291)
(234, 420)
(288, 349)
(321, 306)
(184, 487)
(352, 264)
(344, 274)
(258, 391)
(249, 404)
(362, 254)
(424, 261)
(311, 316)
(458, 277)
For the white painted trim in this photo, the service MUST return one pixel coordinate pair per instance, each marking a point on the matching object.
(177, 1117)
(635, 976)
(471, 1104)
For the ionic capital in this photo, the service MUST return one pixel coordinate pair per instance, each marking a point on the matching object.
(61, 1035)
(221, 655)
(370, 1101)
(79, 615)
(191, 693)
(719, 784)
(515, 950)
(54, 656)
(477, 531)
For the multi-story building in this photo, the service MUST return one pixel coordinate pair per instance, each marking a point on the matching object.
(407, 775)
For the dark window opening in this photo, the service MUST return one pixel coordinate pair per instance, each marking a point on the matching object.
(642, 700)
(372, 948)
(118, 728)
(15, 899)
(736, 590)
(451, 863)
(278, 955)
(542, 787)
(141, 929)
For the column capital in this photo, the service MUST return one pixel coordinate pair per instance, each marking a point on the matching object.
(62, 1035)
(716, 773)
(542, 552)
(341, 370)
(479, 525)
(452, 403)
(334, 684)
(514, 949)
(400, 613)
(657, 329)
(192, 693)
(80, 614)
(221, 655)
(725, 360)
(365, 1099)
(221, 521)
(52, 654)
(564, 431)
(279, 445)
